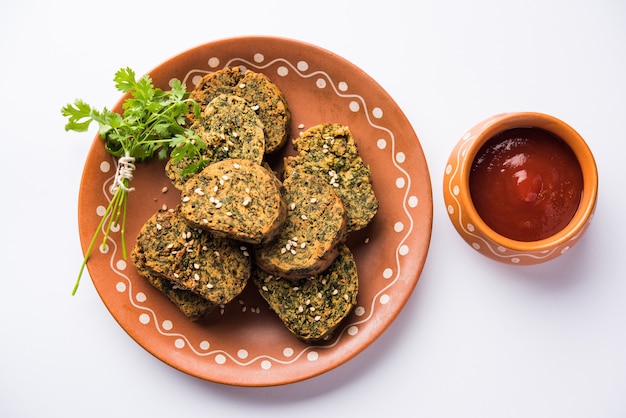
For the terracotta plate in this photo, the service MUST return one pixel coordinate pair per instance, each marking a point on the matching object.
(245, 343)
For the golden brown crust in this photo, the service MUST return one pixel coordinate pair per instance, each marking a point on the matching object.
(258, 90)
(192, 305)
(315, 224)
(330, 151)
(215, 268)
(313, 307)
(229, 128)
(235, 198)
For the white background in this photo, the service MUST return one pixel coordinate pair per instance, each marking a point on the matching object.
(476, 339)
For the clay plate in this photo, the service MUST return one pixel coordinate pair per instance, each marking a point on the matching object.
(245, 343)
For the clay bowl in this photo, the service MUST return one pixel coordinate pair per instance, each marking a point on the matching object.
(520, 238)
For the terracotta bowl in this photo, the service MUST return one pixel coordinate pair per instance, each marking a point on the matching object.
(462, 210)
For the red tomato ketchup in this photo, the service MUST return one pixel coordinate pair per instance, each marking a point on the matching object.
(526, 184)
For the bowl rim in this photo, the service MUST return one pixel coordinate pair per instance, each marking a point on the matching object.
(504, 121)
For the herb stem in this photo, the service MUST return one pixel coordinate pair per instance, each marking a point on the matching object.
(123, 225)
(106, 214)
(114, 210)
(152, 123)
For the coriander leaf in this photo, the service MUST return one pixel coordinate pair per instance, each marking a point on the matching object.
(178, 90)
(152, 123)
(125, 80)
(79, 114)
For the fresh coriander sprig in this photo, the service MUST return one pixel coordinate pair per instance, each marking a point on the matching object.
(152, 123)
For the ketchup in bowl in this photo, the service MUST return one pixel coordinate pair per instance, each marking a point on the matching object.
(526, 184)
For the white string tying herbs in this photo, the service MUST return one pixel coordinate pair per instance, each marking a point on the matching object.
(125, 170)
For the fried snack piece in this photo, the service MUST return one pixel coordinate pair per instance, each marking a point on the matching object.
(329, 151)
(192, 305)
(313, 307)
(215, 268)
(307, 241)
(230, 128)
(258, 90)
(235, 198)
